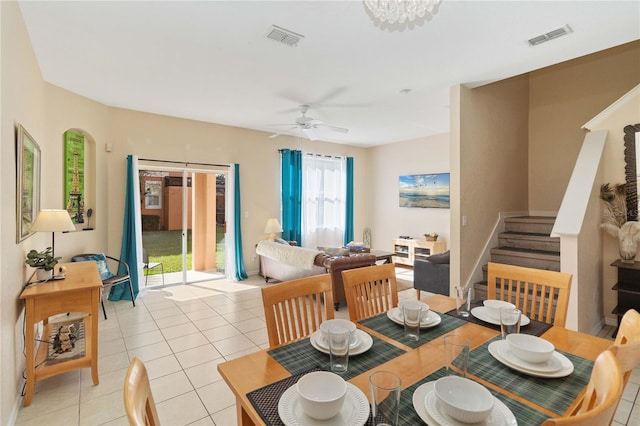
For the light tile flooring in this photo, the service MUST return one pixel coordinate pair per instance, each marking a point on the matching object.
(181, 333)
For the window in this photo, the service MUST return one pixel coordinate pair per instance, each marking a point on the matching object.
(153, 194)
(324, 183)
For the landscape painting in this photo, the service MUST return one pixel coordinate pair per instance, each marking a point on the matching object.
(425, 191)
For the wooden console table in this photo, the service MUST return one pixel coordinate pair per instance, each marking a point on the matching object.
(78, 292)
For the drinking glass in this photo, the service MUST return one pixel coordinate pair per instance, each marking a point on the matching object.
(385, 398)
(411, 315)
(463, 301)
(509, 321)
(456, 355)
(339, 341)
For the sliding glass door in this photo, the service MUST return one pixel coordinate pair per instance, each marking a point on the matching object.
(183, 216)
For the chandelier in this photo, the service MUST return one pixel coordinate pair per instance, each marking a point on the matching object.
(392, 11)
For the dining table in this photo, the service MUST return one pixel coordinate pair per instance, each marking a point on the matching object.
(258, 380)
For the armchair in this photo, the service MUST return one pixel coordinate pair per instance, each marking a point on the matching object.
(109, 279)
(432, 274)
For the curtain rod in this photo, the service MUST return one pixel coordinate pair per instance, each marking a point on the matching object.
(186, 163)
(317, 155)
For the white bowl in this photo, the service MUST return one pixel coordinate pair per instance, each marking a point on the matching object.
(338, 323)
(415, 303)
(493, 307)
(530, 348)
(464, 399)
(321, 394)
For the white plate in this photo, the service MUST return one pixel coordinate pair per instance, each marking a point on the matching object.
(366, 341)
(431, 320)
(354, 412)
(565, 369)
(504, 416)
(550, 366)
(481, 313)
(322, 341)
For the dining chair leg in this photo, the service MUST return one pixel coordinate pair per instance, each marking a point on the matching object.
(133, 299)
(146, 276)
(103, 310)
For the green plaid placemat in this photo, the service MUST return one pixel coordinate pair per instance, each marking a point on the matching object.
(554, 394)
(383, 325)
(524, 415)
(301, 356)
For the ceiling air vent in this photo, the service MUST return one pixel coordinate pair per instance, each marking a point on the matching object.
(284, 36)
(550, 35)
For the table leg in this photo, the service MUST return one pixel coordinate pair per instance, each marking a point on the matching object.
(96, 295)
(30, 361)
(243, 417)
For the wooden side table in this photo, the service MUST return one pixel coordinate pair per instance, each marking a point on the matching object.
(78, 292)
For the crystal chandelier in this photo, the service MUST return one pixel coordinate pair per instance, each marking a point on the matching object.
(392, 11)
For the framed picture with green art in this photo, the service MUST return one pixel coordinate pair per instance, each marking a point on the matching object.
(27, 182)
(74, 175)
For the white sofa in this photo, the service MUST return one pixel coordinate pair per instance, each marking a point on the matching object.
(284, 262)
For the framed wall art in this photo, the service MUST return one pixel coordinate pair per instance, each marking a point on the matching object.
(27, 182)
(425, 191)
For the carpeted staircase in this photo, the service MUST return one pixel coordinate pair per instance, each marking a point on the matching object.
(525, 242)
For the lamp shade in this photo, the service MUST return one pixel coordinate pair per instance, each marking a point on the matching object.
(49, 220)
(272, 226)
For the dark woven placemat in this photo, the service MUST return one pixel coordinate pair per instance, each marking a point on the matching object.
(300, 356)
(265, 400)
(383, 325)
(554, 394)
(535, 328)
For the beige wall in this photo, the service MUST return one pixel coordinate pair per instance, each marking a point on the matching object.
(387, 219)
(563, 98)
(166, 138)
(22, 102)
(492, 164)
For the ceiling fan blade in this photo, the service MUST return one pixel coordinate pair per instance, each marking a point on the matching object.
(275, 135)
(334, 128)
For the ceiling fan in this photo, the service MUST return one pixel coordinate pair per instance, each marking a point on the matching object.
(308, 125)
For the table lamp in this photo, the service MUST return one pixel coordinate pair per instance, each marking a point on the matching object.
(50, 220)
(272, 227)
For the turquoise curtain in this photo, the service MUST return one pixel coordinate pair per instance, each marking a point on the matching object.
(128, 251)
(241, 273)
(291, 164)
(348, 221)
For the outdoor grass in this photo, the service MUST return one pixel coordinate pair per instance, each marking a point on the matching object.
(166, 247)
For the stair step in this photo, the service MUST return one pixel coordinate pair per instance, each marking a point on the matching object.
(529, 241)
(530, 224)
(539, 259)
(480, 291)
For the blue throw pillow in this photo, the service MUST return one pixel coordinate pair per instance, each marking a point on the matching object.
(334, 251)
(101, 260)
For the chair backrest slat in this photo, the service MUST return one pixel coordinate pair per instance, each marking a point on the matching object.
(370, 290)
(295, 309)
(138, 399)
(540, 294)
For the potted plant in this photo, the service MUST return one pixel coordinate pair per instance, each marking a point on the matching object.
(431, 236)
(43, 261)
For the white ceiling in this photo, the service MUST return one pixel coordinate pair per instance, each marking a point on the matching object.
(211, 60)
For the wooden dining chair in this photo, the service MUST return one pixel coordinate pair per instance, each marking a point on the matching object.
(540, 294)
(599, 402)
(138, 400)
(627, 344)
(370, 290)
(295, 309)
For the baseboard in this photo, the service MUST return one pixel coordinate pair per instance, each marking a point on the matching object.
(15, 409)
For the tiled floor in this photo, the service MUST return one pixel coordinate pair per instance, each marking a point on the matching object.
(181, 333)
